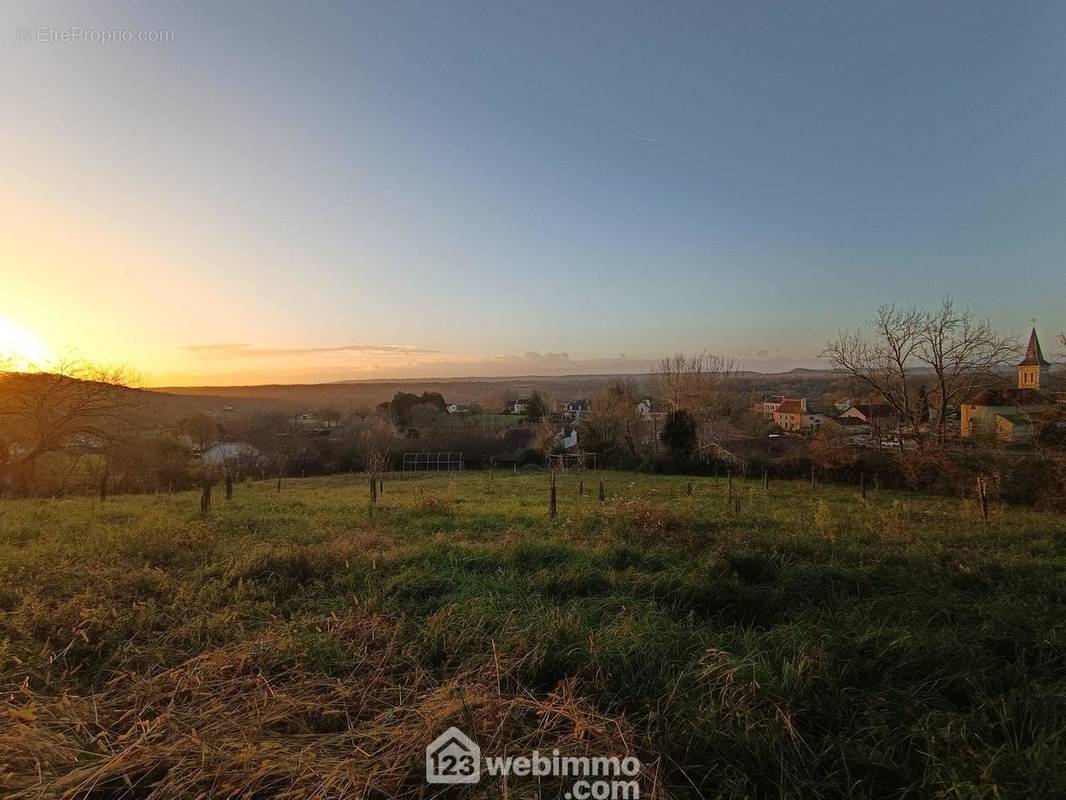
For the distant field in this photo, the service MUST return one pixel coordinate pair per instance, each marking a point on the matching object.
(811, 645)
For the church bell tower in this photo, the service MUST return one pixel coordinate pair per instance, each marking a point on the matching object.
(1032, 370)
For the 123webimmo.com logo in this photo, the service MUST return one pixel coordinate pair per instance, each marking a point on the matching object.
(453, 757)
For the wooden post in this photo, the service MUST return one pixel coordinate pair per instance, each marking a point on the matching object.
(373, 489)
(862, 485)
(982, 491)
(729, 480)
(279, 478)
(205, 496)
(103, 483)
(736, 501)
(603, 494)
(581, 488)
(877, 487)
(552, 508)
(690, 488)
(765, 479)
(229, 486)
(813, 483)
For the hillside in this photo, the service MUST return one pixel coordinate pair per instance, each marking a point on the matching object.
(303, 644)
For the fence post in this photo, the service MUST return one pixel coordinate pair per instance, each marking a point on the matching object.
(862, 485)
(229, 486)
(603, 494)
(581, 487)
(205, 496)
(729, 484)
(765, 479)
(552, 508)
(690, 488)
(814, 485)
(984, 499)
(373, 489)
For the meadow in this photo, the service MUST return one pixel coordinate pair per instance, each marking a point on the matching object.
(303, 644)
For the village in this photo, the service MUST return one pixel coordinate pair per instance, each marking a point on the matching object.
(724, 425)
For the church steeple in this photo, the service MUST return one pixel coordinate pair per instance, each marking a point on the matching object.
(1032, 370)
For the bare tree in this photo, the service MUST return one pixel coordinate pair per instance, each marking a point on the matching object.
(881, 363)
(704, 383)
(613, 421)
(963, 353)
(76, 407)
(378, 440)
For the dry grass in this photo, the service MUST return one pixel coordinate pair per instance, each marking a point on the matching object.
(301, 646)
(250, 720)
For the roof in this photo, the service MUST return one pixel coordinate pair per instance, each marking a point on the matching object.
(1033, 355)
(773, 398)
(790, 407)
(874, 409)
(1015, 419)
(850, 422)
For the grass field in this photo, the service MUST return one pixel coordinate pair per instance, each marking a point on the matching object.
(294, 645)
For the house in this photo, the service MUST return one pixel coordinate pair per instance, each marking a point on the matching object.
(815, 421)
(231, 453)
(651, 409)
(843, 404)
(518, 406)
(768, 405)
(568, 442)
(790, 414)
(1012, 417)
(851, 427)
(453, 757)
(874, 414)
(576, 409)
(452, 408)
(1011, 423)
(880, 417)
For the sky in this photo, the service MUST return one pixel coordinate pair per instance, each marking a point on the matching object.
(326, 191)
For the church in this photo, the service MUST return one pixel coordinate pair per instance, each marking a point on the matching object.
(1012, 417)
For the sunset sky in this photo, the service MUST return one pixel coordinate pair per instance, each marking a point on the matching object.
(303, 192)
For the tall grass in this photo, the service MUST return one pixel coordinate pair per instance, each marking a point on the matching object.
(304, 645)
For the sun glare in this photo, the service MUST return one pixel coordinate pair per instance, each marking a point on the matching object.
(22, 349)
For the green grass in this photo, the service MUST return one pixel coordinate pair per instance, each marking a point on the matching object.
(811, 645)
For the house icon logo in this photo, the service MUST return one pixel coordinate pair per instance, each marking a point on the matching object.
(453, 757)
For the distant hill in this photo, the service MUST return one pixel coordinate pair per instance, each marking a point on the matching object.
(490, 392)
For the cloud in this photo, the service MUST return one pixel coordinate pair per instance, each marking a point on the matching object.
(258, 351)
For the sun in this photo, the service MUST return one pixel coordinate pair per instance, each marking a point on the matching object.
(21, 349)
